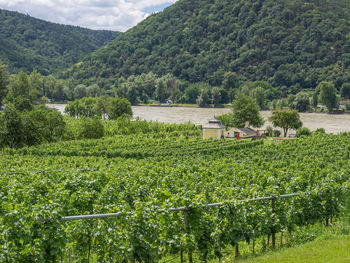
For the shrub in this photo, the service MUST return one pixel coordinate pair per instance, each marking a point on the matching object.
(320, 130)
(269, 131)
(303, 132)
(276, 133)
(90, 128)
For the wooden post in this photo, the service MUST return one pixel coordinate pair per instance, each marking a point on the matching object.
(89, 242)
(281, 239)
(236, 250)
(273, 222)
(70, 256)
(253, 246)
(187, 226)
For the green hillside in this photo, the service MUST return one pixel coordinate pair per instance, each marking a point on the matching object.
(27, 43)
(292, 44)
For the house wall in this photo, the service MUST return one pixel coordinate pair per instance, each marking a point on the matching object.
(212, 133)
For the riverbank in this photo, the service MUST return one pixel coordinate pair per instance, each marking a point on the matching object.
(200, 116)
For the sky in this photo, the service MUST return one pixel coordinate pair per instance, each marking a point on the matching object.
(117, 15)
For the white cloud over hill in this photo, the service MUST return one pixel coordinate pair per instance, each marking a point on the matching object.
(117, 15)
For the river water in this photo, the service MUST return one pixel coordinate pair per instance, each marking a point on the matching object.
(331, 123)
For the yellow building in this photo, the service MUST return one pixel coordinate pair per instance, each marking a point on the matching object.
(213, 129)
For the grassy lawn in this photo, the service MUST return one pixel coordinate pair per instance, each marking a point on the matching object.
(335, 249)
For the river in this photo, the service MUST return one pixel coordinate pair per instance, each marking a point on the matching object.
(331, 123)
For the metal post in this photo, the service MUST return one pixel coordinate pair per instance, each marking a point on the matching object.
(187, 226)
(70, 256)
(273, 222)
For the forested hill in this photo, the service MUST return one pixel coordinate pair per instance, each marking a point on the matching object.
(27, 43)
(291, 43)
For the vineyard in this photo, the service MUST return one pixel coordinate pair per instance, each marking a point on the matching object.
(143, 178)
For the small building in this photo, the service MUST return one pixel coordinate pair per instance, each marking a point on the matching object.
(213, 129)
(242, 133)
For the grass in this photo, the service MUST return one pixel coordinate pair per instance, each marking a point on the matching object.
(313, 244)
(335, 249)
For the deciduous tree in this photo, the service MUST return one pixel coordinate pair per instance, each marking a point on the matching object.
(245, 109)
(286, 119)
(328, 94)
(4, 77)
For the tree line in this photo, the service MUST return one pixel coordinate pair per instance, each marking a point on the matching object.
(26, 120)
(293, 45)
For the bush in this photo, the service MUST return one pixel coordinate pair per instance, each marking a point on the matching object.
(90, 128)
(320, 130)
(276, 133)
(39, 125)
(347, 105)
(269, 131)
(303, 132)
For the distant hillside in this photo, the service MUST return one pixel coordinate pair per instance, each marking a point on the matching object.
(290, 43)
(27, 43)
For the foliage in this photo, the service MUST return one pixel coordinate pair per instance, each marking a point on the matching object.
(286, 119)
(39, 125)
(10, 127)
(269, 131)
(118, 107)
(20, 92)
(192, 92)
(226, 119)
(27, 43)
(258, 94)
(216, 97)
(88, 107)
(328, 94)
(345, 91)
(142, 176)
(246, 109)
(320, 130)
(302, 102)
(347, 105)
(204, 98)
(276, 133)
(90, 128)
(292, 44)
(4, 78)
(303, 132)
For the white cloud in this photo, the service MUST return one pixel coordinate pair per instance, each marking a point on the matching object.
(95, 14)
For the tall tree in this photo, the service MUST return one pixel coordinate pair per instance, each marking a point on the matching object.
(21, 93)
(246, 109)
(259, 95)
(345, 91)
(216, 96)
(203, 100)
(286, 119)
(301, 102)
(4, 77)
(117, 107)
(328, 94)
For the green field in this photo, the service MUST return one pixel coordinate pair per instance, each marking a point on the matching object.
(334, 250)
(143, 176)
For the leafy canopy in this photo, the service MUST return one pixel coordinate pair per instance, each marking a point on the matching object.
(292, 44)
(328, 94)
(286, 119)
(245, 109)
